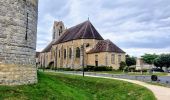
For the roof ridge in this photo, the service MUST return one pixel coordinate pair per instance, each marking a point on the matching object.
(92, 31)
(85, 29)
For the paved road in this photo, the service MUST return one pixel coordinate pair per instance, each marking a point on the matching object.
(146, 78)
(161, 93)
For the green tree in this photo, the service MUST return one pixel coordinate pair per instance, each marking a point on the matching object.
(158, 63)
(122, 65)
(130, 60)
(149, 58)
(165, 60)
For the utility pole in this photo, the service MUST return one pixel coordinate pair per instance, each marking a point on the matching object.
(82, 54)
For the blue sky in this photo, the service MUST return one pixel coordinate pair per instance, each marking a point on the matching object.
(136, 26)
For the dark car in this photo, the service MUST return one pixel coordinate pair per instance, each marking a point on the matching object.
(156, 70)
(168, 71)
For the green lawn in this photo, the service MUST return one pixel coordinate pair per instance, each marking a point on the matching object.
(54, 86)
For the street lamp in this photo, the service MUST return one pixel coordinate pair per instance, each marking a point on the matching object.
(82, 55)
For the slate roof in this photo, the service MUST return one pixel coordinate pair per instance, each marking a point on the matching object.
(106, 46)
(84, 30)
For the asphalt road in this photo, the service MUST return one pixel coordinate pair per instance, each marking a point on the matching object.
(146, 78)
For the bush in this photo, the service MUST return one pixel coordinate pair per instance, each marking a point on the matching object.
(97, 68)
(65, 69)
(122, 65)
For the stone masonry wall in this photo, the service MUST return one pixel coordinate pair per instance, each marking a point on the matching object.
(18, 32)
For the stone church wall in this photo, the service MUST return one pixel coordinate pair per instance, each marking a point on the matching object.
(18, 32)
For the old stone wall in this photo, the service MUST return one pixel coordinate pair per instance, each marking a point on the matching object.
(105, 59)
(18, 32)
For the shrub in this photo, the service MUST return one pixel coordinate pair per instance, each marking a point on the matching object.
(65, 69)
(122, 65)
(98, 68)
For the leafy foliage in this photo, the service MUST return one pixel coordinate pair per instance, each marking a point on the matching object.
(165, 60)
(122, 65)
(149, 58)
(98, 68)
(130, 60)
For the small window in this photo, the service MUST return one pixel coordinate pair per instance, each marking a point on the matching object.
(70, 53)
(65, 54)
(77, 52)
(113, 58)
(119, 58)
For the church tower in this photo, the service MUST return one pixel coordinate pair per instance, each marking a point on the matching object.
(58, 30)
(18, 32)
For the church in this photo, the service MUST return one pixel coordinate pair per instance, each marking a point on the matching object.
(80, 45)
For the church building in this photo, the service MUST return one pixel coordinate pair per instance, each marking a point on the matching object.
(78, 46)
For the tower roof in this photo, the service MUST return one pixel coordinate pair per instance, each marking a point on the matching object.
(84, 30)
(106, 46)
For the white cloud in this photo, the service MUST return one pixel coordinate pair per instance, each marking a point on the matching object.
(141, 25)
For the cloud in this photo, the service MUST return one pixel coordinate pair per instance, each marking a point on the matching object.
(131, 24)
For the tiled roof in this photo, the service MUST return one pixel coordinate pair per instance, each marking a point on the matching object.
(84, 30)
(106, 46)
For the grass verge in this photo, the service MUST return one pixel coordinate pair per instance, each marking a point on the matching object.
(54, 86)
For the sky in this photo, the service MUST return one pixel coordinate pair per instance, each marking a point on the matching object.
(136, 26)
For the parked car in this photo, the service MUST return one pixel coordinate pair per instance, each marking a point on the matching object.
(156, 70)
(168, 71)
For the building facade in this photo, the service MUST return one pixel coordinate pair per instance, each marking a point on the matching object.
(78, 46)
(18, 32)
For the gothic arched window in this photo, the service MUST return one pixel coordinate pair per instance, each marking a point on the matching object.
(59, 53)
(77, 52)
(64, 53)
(70, 53)
(113, 58)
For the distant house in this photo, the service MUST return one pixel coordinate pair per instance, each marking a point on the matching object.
(141, 65)
(80, 45)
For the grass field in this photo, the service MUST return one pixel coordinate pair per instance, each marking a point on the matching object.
(54, 86)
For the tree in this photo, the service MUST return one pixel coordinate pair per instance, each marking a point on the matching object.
(149, 58)
(158, 63)
(165, 60)
(130, 61)
(122, 65)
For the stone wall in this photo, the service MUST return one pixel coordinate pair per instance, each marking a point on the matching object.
(73, 62)
(104, 59)
(12, 74)
(18, 32)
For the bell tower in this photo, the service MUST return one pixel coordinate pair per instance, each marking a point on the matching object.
(58, 30)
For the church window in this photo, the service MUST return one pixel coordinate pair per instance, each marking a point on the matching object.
(70, 53)
(119, 58)
(59, 53)
(77, 52)
(113, 58)
(61, 28)
(64, 53)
